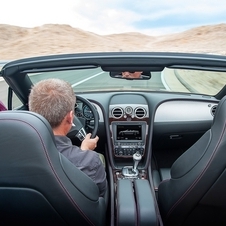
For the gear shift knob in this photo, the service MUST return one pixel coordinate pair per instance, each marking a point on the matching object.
(136, 159)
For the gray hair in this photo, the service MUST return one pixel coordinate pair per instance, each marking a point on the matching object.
(53, 99)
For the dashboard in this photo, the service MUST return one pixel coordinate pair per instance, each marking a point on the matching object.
(128, 122)
(162, 125)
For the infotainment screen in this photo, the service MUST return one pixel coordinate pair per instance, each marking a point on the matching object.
(129, 132)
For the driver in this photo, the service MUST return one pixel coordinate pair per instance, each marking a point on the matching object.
(55, 100)
(132, 74)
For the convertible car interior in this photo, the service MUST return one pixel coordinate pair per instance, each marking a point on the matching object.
(162, 135)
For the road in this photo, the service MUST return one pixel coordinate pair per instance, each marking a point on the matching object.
(82, 80)
(3, 91)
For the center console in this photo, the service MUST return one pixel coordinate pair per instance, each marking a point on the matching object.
(135, 203)
(129, 155)
(135, 198)
(128, 138)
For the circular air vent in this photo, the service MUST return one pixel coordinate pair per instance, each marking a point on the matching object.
(140, 112)
(129, 110)
(213, 110)
(117, 112)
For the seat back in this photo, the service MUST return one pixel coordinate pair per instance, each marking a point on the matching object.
(2, 107)
(195, 194)
(39, 186)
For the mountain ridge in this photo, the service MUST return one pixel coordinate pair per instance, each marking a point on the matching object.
(19, 42)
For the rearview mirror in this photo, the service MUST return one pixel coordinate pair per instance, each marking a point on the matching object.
(131, 75)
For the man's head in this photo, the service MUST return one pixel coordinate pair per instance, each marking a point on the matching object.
(133, 74)
(52, 98)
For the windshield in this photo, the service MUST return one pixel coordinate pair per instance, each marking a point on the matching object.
(168, 80)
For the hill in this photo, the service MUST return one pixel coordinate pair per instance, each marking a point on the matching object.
(18, 42)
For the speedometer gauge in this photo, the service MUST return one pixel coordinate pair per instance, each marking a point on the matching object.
(88, 114)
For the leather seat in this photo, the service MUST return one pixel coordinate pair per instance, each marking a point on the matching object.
(2, 107)
(196, 192)
(39, 186)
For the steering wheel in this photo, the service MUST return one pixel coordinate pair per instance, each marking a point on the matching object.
(77, 129)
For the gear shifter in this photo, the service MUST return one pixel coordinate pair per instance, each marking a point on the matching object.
(131, 171)
(136, 160)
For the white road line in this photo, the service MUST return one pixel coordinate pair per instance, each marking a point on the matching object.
(84, 80)
(164, 82)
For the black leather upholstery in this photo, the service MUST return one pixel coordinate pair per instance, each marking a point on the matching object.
(39, 186)
(146, 209)
(126, 205)
(196, 192)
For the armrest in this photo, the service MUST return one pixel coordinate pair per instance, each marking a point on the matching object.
(165, 173)
(158, 176)
(126, 207)
(146, 209)
(156, 179)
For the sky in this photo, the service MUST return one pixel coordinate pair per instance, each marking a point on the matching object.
(151, 17)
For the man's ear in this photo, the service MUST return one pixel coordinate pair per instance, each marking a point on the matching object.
(69, 117)
(71, 114)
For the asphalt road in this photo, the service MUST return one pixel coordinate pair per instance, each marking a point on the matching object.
(3, 91)
(83, 80)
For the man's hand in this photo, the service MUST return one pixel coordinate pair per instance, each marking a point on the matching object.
(88, 143)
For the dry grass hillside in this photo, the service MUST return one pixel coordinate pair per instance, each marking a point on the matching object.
(18, 42)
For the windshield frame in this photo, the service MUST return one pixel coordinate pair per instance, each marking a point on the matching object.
(15, 72)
